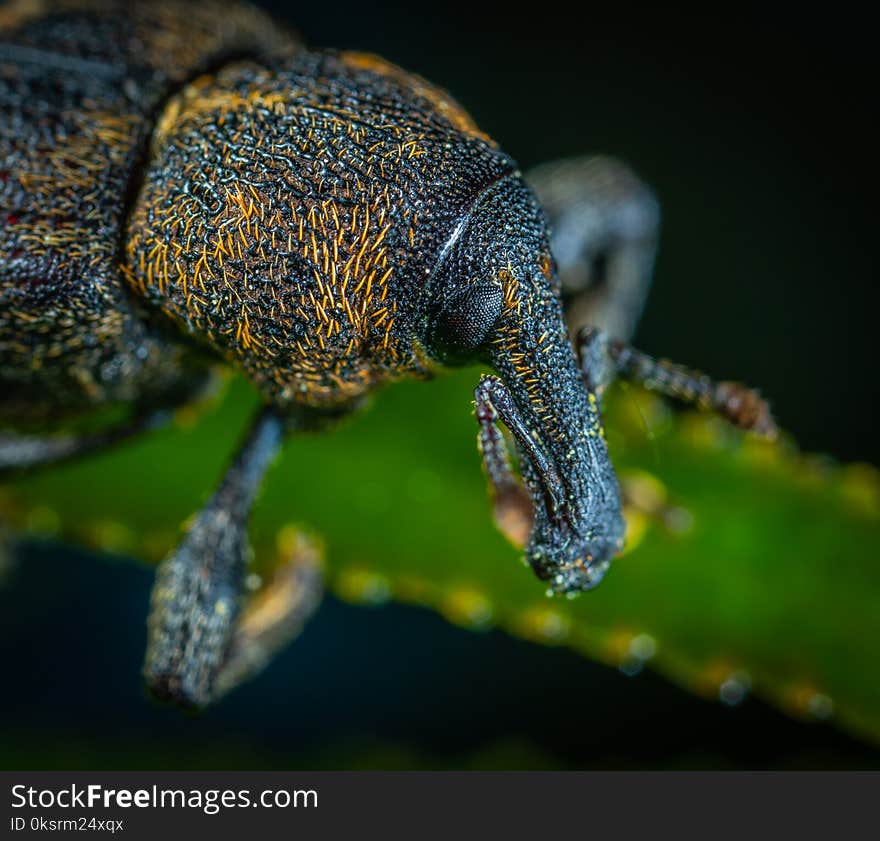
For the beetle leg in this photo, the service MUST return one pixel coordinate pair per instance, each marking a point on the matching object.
(197, 628)
(19, 453)
(512, 505)
(273, 616)
(604, 223)
(602, 359)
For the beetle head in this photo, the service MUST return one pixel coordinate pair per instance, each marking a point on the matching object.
(494, 298)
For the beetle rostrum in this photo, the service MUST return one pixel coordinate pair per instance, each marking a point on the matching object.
(500, 258)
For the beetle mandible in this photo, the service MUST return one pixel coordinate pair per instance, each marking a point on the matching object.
(182, 184)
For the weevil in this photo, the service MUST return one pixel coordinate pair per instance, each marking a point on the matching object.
(187, 185)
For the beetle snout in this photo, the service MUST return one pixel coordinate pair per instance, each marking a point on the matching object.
(569, 565)
(577, 528)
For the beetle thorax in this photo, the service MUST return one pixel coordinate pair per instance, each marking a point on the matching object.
(291, 228)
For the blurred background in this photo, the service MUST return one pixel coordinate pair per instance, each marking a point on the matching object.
(756, 135)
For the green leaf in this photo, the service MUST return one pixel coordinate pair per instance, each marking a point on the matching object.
(755, 567)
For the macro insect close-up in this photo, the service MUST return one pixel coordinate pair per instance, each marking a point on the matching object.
(212, 231)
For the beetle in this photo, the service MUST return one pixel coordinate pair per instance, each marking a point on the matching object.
(182, 185)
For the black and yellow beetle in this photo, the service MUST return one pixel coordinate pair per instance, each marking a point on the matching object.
(182, 184)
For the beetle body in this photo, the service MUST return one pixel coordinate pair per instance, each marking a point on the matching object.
(311, 217)
(183, 185)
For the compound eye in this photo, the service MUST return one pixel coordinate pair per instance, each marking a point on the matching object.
(464, 321)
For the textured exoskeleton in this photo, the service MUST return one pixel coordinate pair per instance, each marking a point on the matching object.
(186, 184)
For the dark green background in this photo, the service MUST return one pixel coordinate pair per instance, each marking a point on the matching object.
(754, 133)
